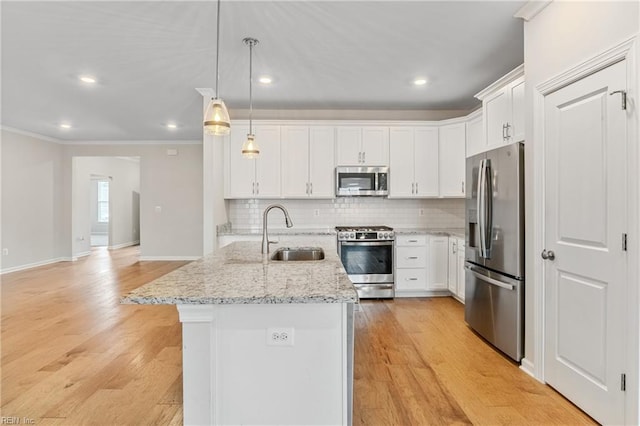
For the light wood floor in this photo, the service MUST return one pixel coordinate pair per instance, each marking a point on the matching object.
(71, 355)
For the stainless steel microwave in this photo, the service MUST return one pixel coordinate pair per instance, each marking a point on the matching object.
(355, 181)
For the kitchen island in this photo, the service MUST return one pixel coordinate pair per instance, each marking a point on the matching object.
(264, 341)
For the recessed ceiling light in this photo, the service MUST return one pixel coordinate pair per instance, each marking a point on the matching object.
(65, 126)
(265, 80)
(172, 126)
(420, 81)
(87, 79)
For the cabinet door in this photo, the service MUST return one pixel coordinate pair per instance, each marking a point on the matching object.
(322, 162)
(295, 161)
(375, 146)
(411, 257)
(452, 160)
(516, 131)
(241, 171)
(401, 161)
(475, 137)
(496, 109)
(411, 279)
(426, 162)
(460, 263)
(453, 266)
(349, 146)
(438, 263)
(268, 163)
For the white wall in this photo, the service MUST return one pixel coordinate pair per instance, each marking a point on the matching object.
(173, 183)
(561, 36)
(32, 205)
(246, 215)
(124, 189)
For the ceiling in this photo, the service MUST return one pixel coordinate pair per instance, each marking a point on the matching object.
(149, 57)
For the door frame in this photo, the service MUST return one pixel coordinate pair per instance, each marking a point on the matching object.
(626, 50)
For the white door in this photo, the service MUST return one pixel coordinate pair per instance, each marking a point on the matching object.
(585, 283)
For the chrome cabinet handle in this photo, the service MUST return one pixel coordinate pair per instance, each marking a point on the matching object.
(463, 187)
(257, 187)
(413, 185)
(412, 257)
(311, 187)
(507, 127)
(503, 128)
(411, 279)
(548, 255)
(453, 248)
(253, 188)
(416, 187)
(364, 156)
(412, 241)
(360, 157)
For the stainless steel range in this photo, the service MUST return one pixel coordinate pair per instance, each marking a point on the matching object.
(367, 255)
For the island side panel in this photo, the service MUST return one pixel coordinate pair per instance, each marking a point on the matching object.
(253, 382)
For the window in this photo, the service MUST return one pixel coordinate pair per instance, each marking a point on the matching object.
(103, 201)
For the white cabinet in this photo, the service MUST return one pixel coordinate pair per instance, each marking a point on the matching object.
(475, 142)
(411, 265)
(366, 146)
(307, 161)
(503, 109)
(413, 162)
(452, 158)
(456, 267)
(255, 178)
(437, 262)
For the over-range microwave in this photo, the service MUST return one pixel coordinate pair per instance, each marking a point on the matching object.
(357, 181)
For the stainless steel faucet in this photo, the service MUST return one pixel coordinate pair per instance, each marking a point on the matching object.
(265, 234)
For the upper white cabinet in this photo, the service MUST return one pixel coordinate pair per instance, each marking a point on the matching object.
(503, 109)
(255, 178)
(452, 159)
(475, 139)
(307, 161)
(366, 146)
(413, 162)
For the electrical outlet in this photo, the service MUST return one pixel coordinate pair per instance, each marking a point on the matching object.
(5, 252)
(316, 212)
(280, 336)
(421, 212)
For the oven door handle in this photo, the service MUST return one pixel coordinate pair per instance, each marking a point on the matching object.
(367, 243)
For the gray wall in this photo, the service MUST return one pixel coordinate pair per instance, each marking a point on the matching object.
(37, 203)
(32, 200)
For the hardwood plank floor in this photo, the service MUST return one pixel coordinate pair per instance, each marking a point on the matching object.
(71, 355)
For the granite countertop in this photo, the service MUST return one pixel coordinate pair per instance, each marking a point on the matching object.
(276, 231)
(240, 274)
(453, 232)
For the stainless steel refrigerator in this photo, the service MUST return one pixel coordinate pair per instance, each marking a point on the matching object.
(494, 255)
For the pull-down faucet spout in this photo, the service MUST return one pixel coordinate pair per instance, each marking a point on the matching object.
(265, 234)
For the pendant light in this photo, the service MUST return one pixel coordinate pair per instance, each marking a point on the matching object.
(250, 147)
(216, 117)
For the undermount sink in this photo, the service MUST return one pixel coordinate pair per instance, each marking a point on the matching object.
(289, 254)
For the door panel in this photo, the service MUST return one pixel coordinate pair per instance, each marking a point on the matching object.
(426, 161)
(322, 162)
(401, 161)
(295, 161)
(585, 217)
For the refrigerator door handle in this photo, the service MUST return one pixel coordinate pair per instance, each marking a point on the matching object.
(485, 210)
(489, 280)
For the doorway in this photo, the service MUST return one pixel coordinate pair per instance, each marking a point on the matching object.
(99, 211)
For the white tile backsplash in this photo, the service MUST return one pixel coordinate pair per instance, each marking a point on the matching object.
(437, 213)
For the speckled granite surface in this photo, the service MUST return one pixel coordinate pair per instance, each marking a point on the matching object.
(454, 232)
(276, 231)
(240, 274)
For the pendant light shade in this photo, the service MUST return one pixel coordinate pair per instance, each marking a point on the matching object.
(216, 117)
(250, 147)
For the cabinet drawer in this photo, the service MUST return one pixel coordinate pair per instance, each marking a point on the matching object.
(411, 240)
(411, 279)
(411, 257)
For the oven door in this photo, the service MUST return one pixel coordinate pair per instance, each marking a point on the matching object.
(367, 261)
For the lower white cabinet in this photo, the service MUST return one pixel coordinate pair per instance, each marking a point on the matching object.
(437, 266)
(456, 267)
(421, 265)
(411, 265)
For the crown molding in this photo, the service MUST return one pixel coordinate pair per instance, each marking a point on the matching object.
(150, 142)
(531, 9)
(31, 134)
(502, 81)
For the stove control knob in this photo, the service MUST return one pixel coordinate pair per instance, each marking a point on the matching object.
(340, 235)
(390, 234)
(352, 235)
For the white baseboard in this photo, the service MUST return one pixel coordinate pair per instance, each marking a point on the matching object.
(528, 367)
(34, 265)
(81, 254)
(168, 258)
(123, 245)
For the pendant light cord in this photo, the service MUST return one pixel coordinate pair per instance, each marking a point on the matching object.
(217, 48)
(250, 84)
